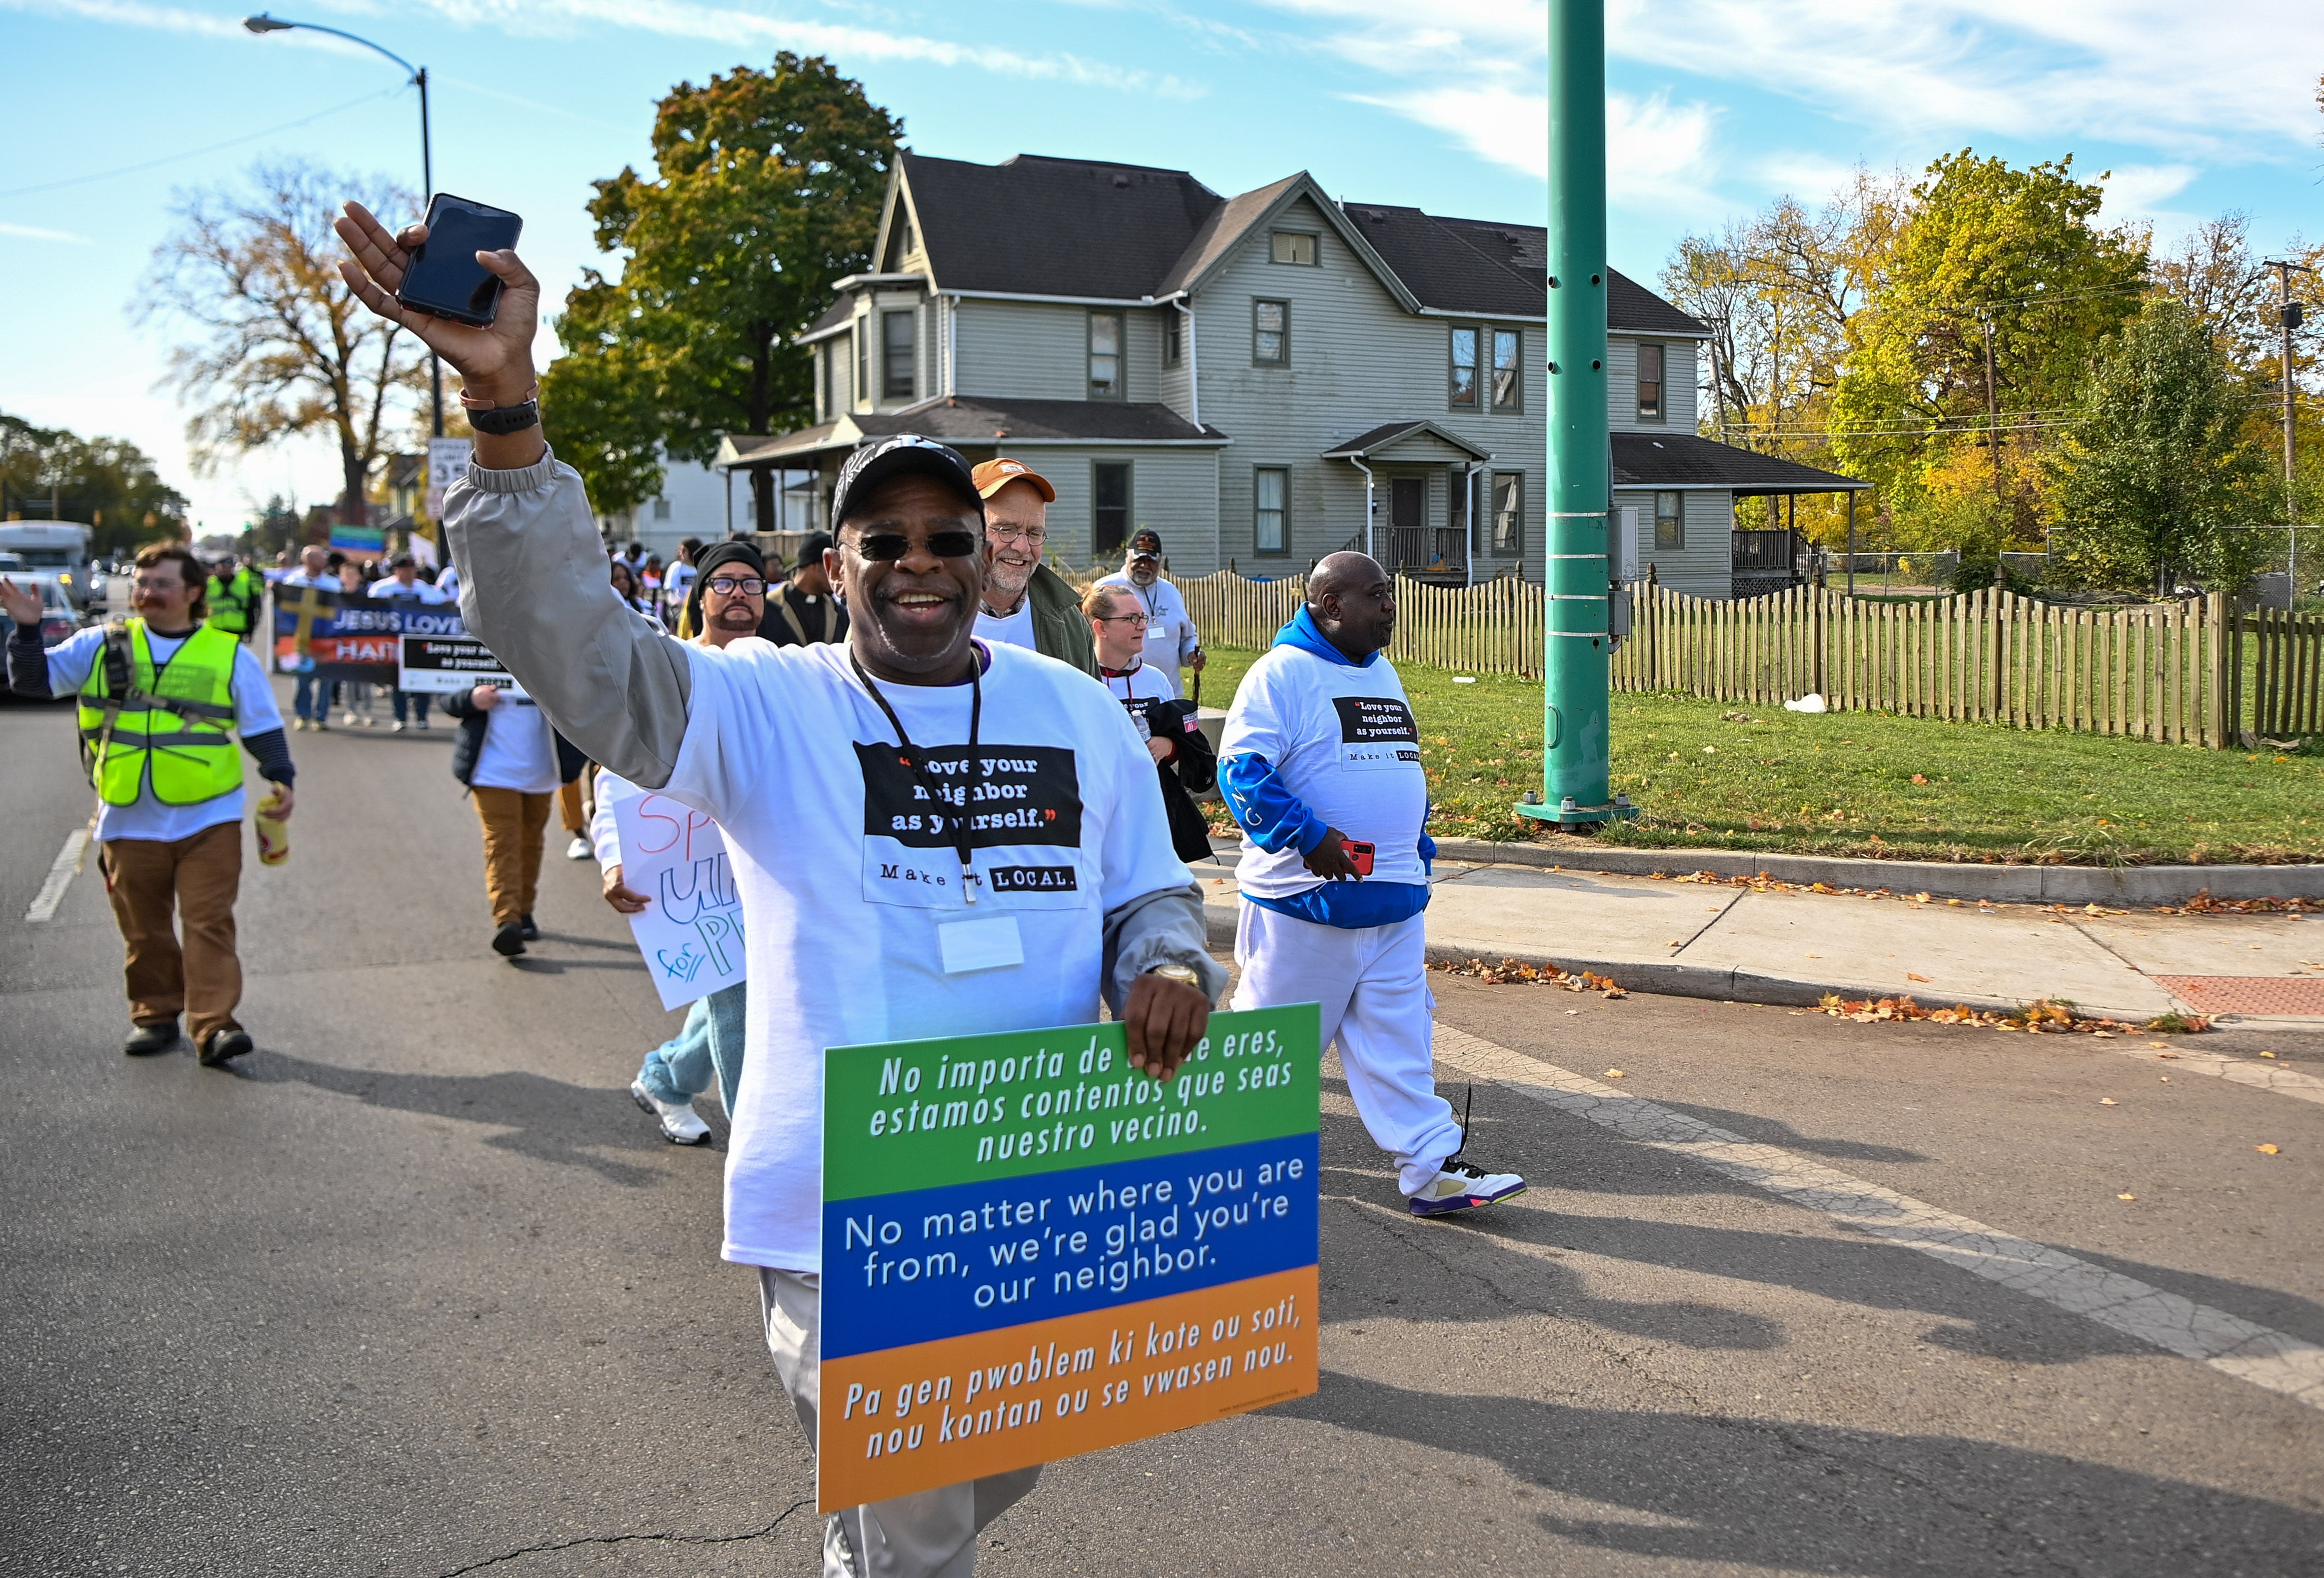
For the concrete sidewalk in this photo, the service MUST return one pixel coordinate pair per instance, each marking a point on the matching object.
(1690, 938)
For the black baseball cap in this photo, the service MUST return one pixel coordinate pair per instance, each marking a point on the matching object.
(904, 454)
(1146, 544)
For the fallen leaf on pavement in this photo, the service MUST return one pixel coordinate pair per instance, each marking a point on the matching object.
(2267, 1055)
(1614, 1073)
(2125, 1196)
(2101, 1034)
(2108, 1102)
(2166, 1055)
(2165, 1078)
(2158, 1043)
(2267, 1149)
(1909, 975)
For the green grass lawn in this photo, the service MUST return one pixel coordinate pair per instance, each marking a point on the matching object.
(1717, 775)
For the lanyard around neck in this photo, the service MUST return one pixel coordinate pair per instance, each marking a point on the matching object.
(916, 759)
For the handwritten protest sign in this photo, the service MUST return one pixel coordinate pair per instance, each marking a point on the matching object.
(1031, 1250)
(691, 929)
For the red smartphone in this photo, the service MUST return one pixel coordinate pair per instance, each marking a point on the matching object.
(1361, 854)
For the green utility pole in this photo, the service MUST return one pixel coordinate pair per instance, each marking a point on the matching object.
(1577, 791)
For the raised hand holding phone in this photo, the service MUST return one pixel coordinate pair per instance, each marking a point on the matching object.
(495, 361)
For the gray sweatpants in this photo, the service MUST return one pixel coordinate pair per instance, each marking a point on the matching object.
(931, 1534)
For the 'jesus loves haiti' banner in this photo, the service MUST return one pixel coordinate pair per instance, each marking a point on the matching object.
(1031, 1250)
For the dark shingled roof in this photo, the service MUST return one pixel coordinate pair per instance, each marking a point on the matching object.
(1042, 226)
(1681, 460)
(1388, 433)
(969, 419)
(834, 316)
(1488, 267)
(1220, 232)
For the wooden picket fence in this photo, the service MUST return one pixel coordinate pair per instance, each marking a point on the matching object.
(2193, 672)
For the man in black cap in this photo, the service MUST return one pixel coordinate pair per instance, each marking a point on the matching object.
(1172, 643)
(878, 912)
(743, 568)
(802, 611)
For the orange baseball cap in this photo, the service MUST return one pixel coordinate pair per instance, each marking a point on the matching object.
(995, 475)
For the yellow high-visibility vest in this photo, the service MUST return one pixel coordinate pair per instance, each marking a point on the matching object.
(234, 601)
(172, 721)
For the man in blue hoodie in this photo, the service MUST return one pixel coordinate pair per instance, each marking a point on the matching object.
(1321, 764)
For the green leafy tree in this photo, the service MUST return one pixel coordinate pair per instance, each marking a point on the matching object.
(2159, 480)
(1981, 244)
(767, 189)
(109, 483)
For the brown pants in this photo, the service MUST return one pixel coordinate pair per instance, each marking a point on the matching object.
(570, 808)
(196, 879)
(514, 825)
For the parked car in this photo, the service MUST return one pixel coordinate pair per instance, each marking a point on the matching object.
(58, 617)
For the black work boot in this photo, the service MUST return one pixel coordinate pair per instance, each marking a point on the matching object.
(532, 932)
(509, 940)
(219, 1046)
(147, 1040)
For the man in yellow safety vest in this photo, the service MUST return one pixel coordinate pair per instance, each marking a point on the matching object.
(235, 592)
(162, 697)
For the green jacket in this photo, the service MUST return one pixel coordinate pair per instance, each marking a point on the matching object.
(1060, 629)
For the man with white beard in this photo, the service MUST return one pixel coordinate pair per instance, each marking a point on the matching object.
(1025, 603)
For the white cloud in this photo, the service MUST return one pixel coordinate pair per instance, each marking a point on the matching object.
(34, 233)
(2137, 191)
(2150, 73)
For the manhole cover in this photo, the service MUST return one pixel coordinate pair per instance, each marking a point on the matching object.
(2257, 994)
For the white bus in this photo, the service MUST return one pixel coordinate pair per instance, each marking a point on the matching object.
(55, 550)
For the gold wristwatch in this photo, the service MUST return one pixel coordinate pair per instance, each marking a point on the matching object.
(1184, 975)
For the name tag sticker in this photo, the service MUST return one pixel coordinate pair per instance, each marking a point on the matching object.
(991, 944)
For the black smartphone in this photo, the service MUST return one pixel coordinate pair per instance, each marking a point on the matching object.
(445, 279)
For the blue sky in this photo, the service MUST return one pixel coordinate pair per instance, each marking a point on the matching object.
(1717, 106)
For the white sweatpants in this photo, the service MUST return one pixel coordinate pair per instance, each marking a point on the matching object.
(1372, 985)
(930, 1534)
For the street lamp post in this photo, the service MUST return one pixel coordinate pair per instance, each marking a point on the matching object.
(263, 23)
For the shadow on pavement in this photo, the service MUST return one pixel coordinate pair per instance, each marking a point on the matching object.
(1769, 1132)
(546, 1120)
(1736, 1491)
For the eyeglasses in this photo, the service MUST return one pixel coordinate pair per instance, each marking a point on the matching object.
(727, 586)
(1138, 618)
(1035, 535)
(886, 546)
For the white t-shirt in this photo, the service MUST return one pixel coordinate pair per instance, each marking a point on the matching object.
(384, 591)
(254, 713)
(1143, 683)
(854, 908)
(517, 752)
(1342, 739)
(1015, 628)
(1170, 636)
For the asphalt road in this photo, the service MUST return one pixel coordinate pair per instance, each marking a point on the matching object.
(414, 1288)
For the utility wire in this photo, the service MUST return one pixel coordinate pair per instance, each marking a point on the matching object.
(22, 191)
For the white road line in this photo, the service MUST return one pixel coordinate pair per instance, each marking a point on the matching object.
(60, 876)
(2251, 1353)
(2266, 1076)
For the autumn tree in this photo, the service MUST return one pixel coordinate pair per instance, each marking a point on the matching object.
(282, 348)
(109, 483)
(2159, 479)
(767, 189)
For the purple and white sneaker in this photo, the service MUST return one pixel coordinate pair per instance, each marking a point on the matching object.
(1460, 1186)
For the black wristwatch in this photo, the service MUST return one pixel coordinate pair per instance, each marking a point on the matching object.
(505, 419)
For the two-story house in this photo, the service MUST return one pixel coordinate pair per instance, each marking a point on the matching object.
(1262, 379)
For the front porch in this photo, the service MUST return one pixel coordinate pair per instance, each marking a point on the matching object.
(1434, 484)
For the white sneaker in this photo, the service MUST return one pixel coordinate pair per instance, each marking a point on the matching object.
(579, 849)
(349, 717)
(1460, 1186)
(397, 729)
(681, 1125)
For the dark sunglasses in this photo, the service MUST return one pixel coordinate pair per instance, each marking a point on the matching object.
(886, 546)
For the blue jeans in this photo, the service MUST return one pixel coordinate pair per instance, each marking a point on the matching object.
(312, 700)
(681, 1068)
(419, 697)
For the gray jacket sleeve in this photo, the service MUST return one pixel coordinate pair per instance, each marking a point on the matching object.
(533, 588)
(1165, 927)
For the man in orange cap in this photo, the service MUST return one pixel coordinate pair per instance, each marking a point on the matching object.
(1025, 603)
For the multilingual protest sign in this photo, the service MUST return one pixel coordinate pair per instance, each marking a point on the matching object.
(691, 929)
(1031, 1250)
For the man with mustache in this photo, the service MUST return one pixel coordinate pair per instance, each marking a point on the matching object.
(1025, 602)
(884, 906)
